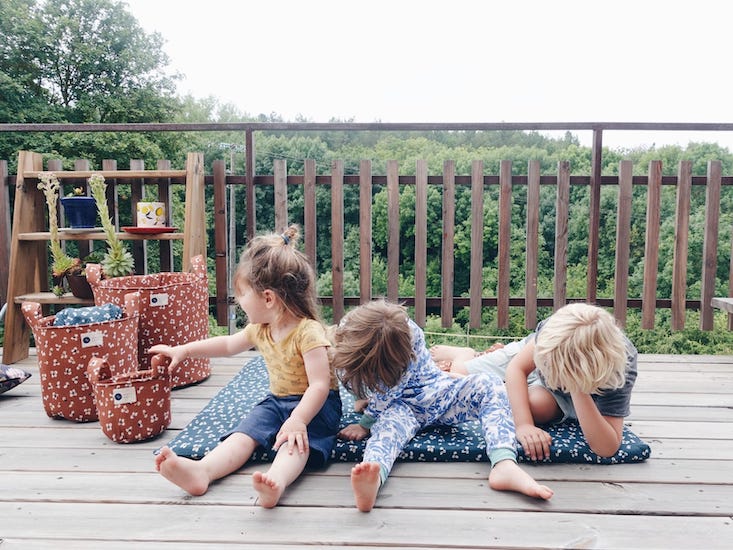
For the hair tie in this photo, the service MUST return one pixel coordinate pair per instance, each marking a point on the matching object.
(285, 238)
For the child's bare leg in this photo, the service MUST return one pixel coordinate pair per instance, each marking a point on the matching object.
(285, 469)
(365, 483)
(542, 405)
(507, 475)
(195, 476)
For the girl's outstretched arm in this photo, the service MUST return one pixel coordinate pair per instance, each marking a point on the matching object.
(217, 346)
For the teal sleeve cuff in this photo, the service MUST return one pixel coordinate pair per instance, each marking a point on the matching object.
(502, 453)
(367, 421)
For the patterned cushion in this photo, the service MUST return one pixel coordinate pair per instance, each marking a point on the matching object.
(85, 315)
(463, 443)
(11, 377)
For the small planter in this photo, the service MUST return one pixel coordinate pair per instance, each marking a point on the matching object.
(81, 212)
(79, 285)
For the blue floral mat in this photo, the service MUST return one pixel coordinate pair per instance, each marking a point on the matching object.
(464, 443)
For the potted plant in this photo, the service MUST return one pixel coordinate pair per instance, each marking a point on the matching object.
(117, 261)
(62, 263)
(80, 210)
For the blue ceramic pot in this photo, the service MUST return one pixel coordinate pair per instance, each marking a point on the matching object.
(80, 212)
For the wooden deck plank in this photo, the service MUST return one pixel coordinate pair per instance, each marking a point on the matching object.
(67, 485)
(400, 528)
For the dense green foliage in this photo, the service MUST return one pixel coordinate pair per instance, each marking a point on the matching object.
(81, 61)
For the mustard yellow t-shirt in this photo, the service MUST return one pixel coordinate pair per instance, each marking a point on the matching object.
(284, 359)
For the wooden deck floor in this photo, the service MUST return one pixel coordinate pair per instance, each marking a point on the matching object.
(66, 485)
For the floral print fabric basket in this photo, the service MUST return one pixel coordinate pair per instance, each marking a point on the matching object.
(135, 406)
(64, 353)
(174, 309)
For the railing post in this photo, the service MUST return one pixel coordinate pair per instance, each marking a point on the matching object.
(595, 214)
(477, 243)
(448, 241)
(393, 230)
(623, 232)
(710, 243)
(651, 245)
(532, 247)
(220, 242)
(365, 231)
(681, 235)
(4, 229)
(337, 239)
(505, 239)
(421, 241)
(249, 178)
(562, 207)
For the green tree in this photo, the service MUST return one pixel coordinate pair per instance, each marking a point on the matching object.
(81, 61)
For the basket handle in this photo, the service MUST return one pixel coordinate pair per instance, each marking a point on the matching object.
(33, 314)
(159, 364)
(132, 304)
(98, 370)
(198, 266)
(94, 274)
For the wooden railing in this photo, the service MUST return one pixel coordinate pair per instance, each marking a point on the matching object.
(480, 186)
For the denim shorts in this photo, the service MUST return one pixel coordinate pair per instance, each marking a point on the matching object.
(267, 417)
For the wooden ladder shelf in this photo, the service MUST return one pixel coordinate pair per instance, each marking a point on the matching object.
(28, 266)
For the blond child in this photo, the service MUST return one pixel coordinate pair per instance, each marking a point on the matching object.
(380, 355)
(275, 286)
(577, 364)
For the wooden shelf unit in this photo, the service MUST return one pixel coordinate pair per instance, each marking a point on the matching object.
(28, 266)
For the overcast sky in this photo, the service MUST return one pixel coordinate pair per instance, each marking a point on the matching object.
(458, 60)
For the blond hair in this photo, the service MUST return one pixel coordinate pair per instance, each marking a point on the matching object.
(272, 262)
(581, 349)
(373, 347)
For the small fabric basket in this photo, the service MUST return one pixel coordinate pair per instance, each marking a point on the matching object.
(174, 310)
(135, 406)
(64, 353)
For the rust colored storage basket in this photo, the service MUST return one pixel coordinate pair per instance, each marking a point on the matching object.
(134, 406)
(174, 309)
(64, 353)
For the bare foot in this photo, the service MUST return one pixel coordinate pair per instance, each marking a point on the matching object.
(268, 489)
(506, 475)
(365, 484)
(440, 352)
(188, 474)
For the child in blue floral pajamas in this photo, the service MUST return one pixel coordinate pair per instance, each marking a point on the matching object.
(380, 354)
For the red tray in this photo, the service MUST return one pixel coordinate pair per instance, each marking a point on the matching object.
(149, 230)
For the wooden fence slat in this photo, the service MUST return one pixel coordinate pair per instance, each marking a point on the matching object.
(4, 229)
(165, 195)
(337, 238)
(623, 236)
(393, 230)
(309, 210)
(710, 244)
(651, 244)
(249, 178)
(365, 231)
(730, 282)
(681, 235)
(594, 221)
(421, 241)
(137, 194)
(477, 243)
(505, 239)
(562, 208)
(220, 242)
(532, 248)
(280, 171)
(194, 226)
(448, 252)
